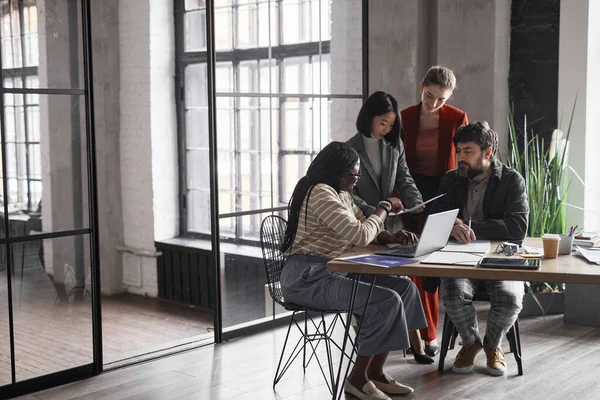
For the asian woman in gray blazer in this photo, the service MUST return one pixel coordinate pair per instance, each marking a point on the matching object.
(384, 173)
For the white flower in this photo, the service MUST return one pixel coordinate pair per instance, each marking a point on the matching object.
(559, 145)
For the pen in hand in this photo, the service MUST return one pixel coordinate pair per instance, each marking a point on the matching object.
(469, 224)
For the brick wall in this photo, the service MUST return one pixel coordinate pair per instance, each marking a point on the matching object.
(533, 73)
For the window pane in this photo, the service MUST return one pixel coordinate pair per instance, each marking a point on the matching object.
(198, 174)
(247, 26)
(296, 20)
(196, 94)
(61, 64)
(224, 77)
(297, 75)
(297, 116)
(294, 167)
(194, 25)
(198, 211)
(226, 171)
(196, 128)
(249, 71)
(268, 36)
(194, 4)
(223, 25)
(225, 125)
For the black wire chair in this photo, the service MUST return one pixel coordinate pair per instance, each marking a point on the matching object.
(450, 333)
(272, 232)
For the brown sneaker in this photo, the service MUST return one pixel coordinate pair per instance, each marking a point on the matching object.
(465, 358)
(496, 364)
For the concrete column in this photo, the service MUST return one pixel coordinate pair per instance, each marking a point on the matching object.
(148, 132)
(107, 84)
(398, 47)
(579, 55)
(473, 40)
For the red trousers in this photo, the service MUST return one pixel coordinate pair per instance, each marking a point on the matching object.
(430, 307)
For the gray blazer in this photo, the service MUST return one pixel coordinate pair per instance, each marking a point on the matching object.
(394, 173)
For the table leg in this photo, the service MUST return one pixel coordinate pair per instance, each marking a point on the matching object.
(340, 380)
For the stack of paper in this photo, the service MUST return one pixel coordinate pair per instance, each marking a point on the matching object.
(476, 246)
(587, 239)
(591, 255)
(452, 258)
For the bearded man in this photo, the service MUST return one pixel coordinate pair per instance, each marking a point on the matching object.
(492, 199)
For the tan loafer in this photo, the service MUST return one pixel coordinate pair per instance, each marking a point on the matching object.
(369, 392)
(392, 386)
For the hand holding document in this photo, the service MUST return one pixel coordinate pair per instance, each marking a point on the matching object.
(415, 208)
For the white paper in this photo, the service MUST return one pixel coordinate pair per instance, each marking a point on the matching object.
(451, 258)
(415, 208)
(590, 255)
(476, 246)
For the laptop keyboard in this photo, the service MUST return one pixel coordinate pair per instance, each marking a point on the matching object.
(407, 250)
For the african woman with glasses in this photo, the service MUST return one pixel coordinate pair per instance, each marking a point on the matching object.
(323, 223)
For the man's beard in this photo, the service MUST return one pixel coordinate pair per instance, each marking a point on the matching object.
(470, 172)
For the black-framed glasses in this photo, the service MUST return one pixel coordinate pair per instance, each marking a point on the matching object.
(355, 175)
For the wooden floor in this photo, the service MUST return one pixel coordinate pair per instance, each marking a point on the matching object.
(560, 362)
(53, 333)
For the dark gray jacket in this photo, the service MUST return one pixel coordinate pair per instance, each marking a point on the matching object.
(505, 205)
(394, 174)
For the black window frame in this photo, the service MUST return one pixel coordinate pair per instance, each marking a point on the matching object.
(235, 56)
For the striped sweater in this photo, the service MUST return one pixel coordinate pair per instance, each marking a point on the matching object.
(333, 224)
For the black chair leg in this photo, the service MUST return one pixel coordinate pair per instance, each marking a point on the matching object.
(517, 339)
(446, 334)
(304, 345)
(281, 370)
(453, 336)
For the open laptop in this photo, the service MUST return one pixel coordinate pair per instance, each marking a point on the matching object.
(434, 237)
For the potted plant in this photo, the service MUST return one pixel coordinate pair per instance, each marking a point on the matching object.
(544, 168)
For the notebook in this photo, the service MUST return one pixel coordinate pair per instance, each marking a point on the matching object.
(452, 258)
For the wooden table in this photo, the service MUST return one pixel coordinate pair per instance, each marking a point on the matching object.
(565, 268)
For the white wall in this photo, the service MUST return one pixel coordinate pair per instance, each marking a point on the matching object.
(578, 76)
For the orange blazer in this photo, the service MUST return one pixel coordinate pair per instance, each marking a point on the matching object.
(450, 119)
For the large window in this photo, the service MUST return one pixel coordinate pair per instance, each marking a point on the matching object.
(20, 60)
(277, 97)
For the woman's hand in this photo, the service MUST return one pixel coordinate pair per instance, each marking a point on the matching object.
(387, 238)
(396, 203)
(406, 237)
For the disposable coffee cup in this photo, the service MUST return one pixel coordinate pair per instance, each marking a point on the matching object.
(566, 244)
(550, 241)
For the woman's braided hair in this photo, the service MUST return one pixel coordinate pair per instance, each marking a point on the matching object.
(335, 161)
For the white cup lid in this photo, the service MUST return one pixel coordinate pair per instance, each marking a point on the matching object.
(551, 236)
